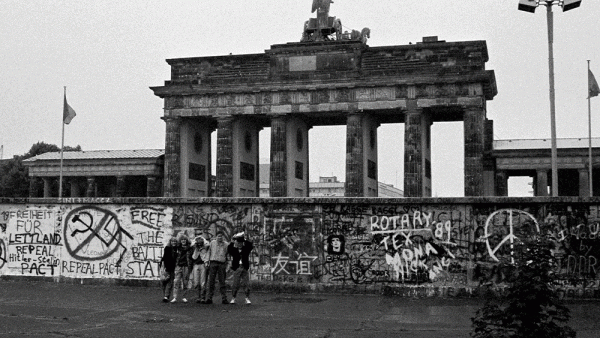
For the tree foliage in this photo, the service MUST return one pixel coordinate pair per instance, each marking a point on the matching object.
(531, 306)
(14, 181)
(14, 176)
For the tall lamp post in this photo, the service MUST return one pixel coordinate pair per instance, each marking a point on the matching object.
(530, 6)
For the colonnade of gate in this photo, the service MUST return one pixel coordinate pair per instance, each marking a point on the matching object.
(293, 87)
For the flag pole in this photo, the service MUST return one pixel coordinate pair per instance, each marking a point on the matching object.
(590, 136)
(62, 145)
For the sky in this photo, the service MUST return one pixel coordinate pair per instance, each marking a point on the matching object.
(108, 53)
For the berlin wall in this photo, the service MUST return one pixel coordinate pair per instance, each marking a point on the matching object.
(398, 246)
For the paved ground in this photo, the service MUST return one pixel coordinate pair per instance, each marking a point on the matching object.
(46, 309)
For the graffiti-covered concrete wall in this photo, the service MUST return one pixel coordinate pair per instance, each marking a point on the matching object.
(313, 244)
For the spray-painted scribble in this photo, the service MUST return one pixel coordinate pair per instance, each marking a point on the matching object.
(32, 246)
(92, 233)
(2, 254)
(338, 243)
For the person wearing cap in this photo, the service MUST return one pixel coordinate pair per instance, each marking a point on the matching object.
(217, 266)
(199, 258)
(239, 250)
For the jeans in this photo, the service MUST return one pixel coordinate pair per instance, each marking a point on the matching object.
(217, 269)
(198, 280)
(182, 276)
(241, 277)
(168, 285)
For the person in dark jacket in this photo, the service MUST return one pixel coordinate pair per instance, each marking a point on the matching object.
(168, 261)
(183, 266)
(239, 251)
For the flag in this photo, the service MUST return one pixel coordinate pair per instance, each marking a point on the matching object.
(593, 89)
(68, 112)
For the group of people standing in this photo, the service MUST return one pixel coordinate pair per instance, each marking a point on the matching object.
(200, 264)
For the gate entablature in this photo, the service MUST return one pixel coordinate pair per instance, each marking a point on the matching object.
(330, 77)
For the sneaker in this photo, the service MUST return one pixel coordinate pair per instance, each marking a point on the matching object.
(165, 299)
(184, 300)
(200, 301)
(232, 301)
(224, 301)
(208, 301)
(248, 301)
(174, 300)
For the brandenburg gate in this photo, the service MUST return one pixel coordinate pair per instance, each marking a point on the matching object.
(330, 77)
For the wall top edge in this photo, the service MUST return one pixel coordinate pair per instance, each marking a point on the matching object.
(294, 200)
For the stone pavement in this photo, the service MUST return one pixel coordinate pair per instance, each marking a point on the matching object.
(47, 309)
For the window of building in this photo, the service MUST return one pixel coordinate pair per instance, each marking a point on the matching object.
(372, 169)
(299, 170)
(246, 171)
(197, 172)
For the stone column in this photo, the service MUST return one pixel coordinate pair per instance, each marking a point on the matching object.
(474, 145)
(489, 162)
(584, 183)
(91, 187)
(417, 153)
(151, 186)
(541, 182)
(354, 157)
(46, 186)
(245, 157)
(224, 182)
(172, 181)
(361, 156)
(75, 191)
(120, 188)
(196, 146)
(278, 172)
(501, 183)
(289, 157)
(33, 187)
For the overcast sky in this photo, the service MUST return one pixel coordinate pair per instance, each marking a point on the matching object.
(108, 54)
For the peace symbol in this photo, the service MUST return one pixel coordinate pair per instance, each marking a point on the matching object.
(515, 221)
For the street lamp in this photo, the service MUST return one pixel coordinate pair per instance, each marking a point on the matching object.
(530, 6)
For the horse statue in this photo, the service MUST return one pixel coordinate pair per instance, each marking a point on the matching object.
(321, 5)
(305, 34)
(365, 34)
(361, 36)
(337, 26)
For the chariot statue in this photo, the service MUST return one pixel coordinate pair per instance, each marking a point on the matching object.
(327, 28)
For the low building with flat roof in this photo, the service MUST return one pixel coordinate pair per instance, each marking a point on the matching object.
(98, 173)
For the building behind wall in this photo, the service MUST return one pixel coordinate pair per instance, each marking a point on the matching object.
(100, 173)
(532, 158)
(327, 186)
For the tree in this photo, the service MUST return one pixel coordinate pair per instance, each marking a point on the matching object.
(42, 147)
(531, 307)
(14, 176)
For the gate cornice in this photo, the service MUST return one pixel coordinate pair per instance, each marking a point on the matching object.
(331, 77)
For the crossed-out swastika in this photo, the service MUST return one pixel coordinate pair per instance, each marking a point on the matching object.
(2, 254)
(94, 238)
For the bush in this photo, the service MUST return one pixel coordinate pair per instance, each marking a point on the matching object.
(530, 307)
